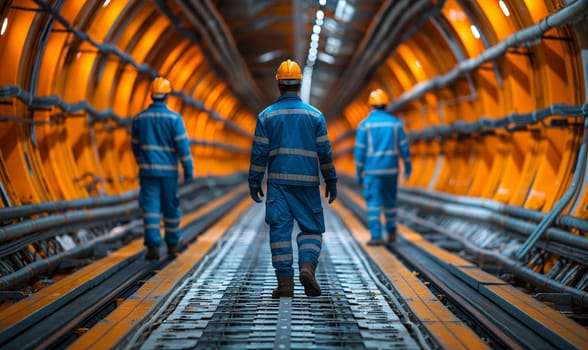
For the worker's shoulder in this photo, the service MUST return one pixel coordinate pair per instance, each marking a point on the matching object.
(159, 111)
(290, 107)
(380, 115)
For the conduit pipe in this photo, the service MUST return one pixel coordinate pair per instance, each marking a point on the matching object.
(18, 212)
(113, 211)
(517, 268)
(562, 203)
(388, 23)
(484, 215)
(203, 16)
(477, 202)
(564, 16)
(21, 229)
(45, 265)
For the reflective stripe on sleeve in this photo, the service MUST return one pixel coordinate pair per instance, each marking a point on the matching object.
(323, 138)
(182, 136)
(260, 139)
(327, 166)
(257, 168)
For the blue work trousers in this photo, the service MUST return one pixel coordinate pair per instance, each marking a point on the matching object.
(379, 193)
(284, 204)
(157, 195)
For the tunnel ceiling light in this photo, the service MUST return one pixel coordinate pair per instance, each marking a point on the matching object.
(326, 58)
(322, 2)
(268, 56)
(344, 11)
(320, 14)
(316, 29)
(106, 2)
(475, 31)
(504, 8)
(4, 26)
(333, 45)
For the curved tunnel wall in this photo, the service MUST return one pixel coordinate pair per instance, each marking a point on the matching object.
(530, 166)
(73, 75)
(74, 72)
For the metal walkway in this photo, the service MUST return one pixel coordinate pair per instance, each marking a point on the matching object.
(227, 302)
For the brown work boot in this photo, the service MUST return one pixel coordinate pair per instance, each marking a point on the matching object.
(152, 253)
(285, 287)
(311, 287)
(391, 236)
(376, 242)
(172, 250)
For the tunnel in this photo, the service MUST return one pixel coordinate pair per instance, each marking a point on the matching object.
(492, 96)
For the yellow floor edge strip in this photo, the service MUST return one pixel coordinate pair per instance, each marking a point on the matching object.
(447, 330)
(38, 302)
(494, 287)
(113, 329)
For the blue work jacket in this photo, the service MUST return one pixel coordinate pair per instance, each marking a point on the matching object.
(379, 140)
(289, 137)
(159, 142)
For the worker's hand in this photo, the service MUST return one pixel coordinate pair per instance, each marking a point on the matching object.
(255, 193)
(331, 191)
(188, 177)
(407, 170)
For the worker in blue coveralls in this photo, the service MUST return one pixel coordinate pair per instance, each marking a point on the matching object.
(160, 142)
(289, 137)
(379, 140)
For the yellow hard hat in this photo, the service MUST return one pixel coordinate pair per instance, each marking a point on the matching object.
(289, 73)
(160, 87)
(378, 98)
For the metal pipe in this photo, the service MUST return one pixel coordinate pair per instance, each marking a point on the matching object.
(515, 267)
(478, 202)
(31, 226)
(45, 265)
(562, 203)
(484, 215)
(520, 38)
(18, 212)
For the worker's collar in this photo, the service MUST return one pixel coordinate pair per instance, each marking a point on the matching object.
(289, 96)
(158, 103)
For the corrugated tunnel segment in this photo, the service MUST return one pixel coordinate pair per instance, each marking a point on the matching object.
(492, 93)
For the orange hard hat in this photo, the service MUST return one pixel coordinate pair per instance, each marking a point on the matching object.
(160, 87)
(289, 73)
(378, 98)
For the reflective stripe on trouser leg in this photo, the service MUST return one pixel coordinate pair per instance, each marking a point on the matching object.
(389, 199)
(373, 222)
(280, 221)
(309, 247)
(149, 201)
(170, 204)
(391, 217)
(306, 208)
